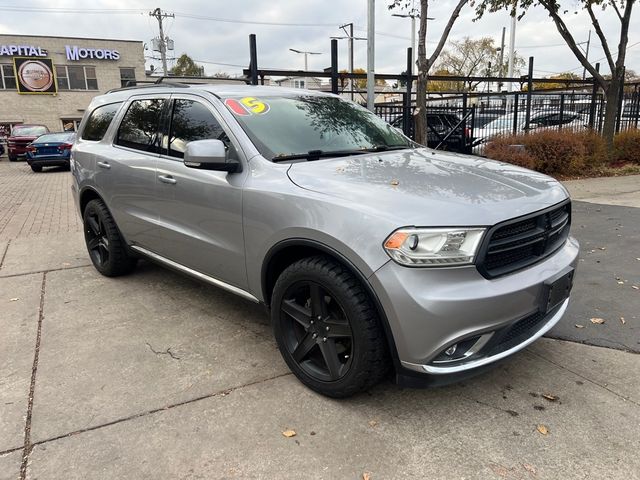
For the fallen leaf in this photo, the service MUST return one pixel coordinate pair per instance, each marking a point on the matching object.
(289, 433)
(395, 182)
(635, 287)
(529, 468)
(597, 321)
(548, 396)
(366, 476)
(622, 320)
(542, 429)
(579, 326)
(620, 282)
(602, 248)
(14, 299)
(373, 423)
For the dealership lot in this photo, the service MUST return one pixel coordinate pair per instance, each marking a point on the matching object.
(157, 375)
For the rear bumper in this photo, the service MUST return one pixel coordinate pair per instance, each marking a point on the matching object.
(48, 161)
(430, 310)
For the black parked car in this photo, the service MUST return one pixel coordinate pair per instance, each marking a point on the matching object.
(439, 125)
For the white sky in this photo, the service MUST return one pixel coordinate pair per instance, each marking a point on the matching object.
(214, 41)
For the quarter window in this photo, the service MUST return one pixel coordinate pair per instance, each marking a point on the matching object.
(7, 77)
(99, 121)
(76, 77)
(192, 121)
(139, 127)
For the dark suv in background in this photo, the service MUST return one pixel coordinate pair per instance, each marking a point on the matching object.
(21, 136)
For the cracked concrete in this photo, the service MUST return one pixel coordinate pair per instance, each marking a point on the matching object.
(154, 375)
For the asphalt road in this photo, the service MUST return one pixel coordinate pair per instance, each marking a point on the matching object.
(609, 268)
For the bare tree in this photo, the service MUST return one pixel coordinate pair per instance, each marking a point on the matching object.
(424, 63)
(622, 11)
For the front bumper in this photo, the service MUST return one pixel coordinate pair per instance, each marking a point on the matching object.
(429, 310)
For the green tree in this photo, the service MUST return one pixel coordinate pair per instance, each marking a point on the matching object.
(186, 67)
(560, 12)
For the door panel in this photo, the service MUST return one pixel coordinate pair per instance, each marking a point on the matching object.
(199, 211)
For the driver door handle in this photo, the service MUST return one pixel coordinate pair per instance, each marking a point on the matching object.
(167, 179)
(104, 165)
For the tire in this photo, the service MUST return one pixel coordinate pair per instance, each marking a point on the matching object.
(13, 158)
(327, 329)
(105, 245)
(36, 168)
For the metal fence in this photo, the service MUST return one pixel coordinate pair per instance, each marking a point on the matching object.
(468, 121)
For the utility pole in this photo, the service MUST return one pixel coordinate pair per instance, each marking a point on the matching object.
(371, 33)
(306, 64)
(157, 13)
(351, 38)
(584, 70)
(512, 46)
(501, 68)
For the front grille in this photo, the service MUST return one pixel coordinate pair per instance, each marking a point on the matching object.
(521, 242)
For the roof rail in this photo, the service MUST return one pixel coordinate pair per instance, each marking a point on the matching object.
(135, 84)
(170, 81)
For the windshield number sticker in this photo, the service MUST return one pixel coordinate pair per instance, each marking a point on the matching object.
(247, 106)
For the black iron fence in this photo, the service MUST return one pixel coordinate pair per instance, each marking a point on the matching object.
(467, 121)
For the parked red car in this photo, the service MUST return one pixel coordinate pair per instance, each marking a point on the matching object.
(21, 136)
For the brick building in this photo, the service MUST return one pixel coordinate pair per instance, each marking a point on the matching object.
(51, 80)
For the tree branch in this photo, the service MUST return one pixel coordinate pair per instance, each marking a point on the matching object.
(600, 33)
(624, 34)
(445, 34)
(615, 7)
(571, 43)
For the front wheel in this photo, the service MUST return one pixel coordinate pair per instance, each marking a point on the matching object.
(327, 329)
(105, 244)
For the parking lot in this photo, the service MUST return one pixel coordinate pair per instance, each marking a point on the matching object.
(154, 375)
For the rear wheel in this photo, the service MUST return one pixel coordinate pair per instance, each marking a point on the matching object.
(327, 329)
(104, 242)
(36, 168)
(13, 158)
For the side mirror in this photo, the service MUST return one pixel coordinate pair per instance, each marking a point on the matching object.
(209, 155)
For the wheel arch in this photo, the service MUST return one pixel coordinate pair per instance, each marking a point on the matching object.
(286, 252)
(86, 195)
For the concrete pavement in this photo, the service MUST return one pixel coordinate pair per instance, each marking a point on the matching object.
(154, 375)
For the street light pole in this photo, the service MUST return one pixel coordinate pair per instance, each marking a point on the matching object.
(351, 38)
(371, 54)
(306, 65)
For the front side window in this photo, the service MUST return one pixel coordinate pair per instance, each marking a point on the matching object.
(296, 125)
(7, 77)
(139, 127)
(99, 121)
(192, 121)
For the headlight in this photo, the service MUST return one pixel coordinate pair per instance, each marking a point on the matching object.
(434, 247)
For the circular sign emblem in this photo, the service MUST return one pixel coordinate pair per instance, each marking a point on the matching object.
(36, 76)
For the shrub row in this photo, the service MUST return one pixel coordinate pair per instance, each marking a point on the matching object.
(565, 152)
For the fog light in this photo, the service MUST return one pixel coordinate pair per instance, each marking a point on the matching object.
(451, 350)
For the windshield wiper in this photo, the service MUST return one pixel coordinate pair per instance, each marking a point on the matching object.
(317, 154)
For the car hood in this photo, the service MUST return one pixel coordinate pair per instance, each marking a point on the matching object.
(425, 187)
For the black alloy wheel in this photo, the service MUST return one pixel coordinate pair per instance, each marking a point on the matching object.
(317, 332)
(327, 329)
(105, 245)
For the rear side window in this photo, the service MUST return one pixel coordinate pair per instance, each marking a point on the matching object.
(192, 121)
(99, 121)
(139, 127)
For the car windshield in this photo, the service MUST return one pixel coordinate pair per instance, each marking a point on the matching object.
(285, 126)
(33, 131)
(56, 138)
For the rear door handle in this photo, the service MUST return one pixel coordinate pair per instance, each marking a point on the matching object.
(104, 165)
(167, 179)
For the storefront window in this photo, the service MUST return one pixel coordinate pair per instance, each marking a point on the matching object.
(7, 77)
(127, 77)
(76, 77)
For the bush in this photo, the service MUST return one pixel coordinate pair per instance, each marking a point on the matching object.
(564, 152)
(626, 147)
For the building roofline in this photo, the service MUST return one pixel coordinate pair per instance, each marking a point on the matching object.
(69, 38)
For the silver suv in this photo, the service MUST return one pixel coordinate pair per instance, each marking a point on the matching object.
(372, 253)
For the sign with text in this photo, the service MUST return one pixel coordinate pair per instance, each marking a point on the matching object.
(35, 76)
(73, 53)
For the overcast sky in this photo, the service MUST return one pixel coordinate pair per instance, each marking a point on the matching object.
(207, 40)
